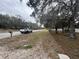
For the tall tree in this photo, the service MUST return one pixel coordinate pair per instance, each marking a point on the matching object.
(65, 9)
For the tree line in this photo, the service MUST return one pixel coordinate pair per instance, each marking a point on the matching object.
(13, 22)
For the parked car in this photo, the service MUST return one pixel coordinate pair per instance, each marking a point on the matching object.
(24, 31)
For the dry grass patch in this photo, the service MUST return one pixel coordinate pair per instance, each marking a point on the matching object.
(19, 41)
(70, 47)
(51, 46)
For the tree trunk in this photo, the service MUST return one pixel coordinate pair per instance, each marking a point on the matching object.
(72, 28)
(56, 30)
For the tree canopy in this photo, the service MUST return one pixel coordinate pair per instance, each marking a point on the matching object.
(54, 12)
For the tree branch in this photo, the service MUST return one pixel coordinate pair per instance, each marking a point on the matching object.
(64, 4)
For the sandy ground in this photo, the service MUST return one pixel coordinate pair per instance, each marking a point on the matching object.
(33, 53)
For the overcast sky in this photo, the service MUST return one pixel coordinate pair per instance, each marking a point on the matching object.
(15, 7)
